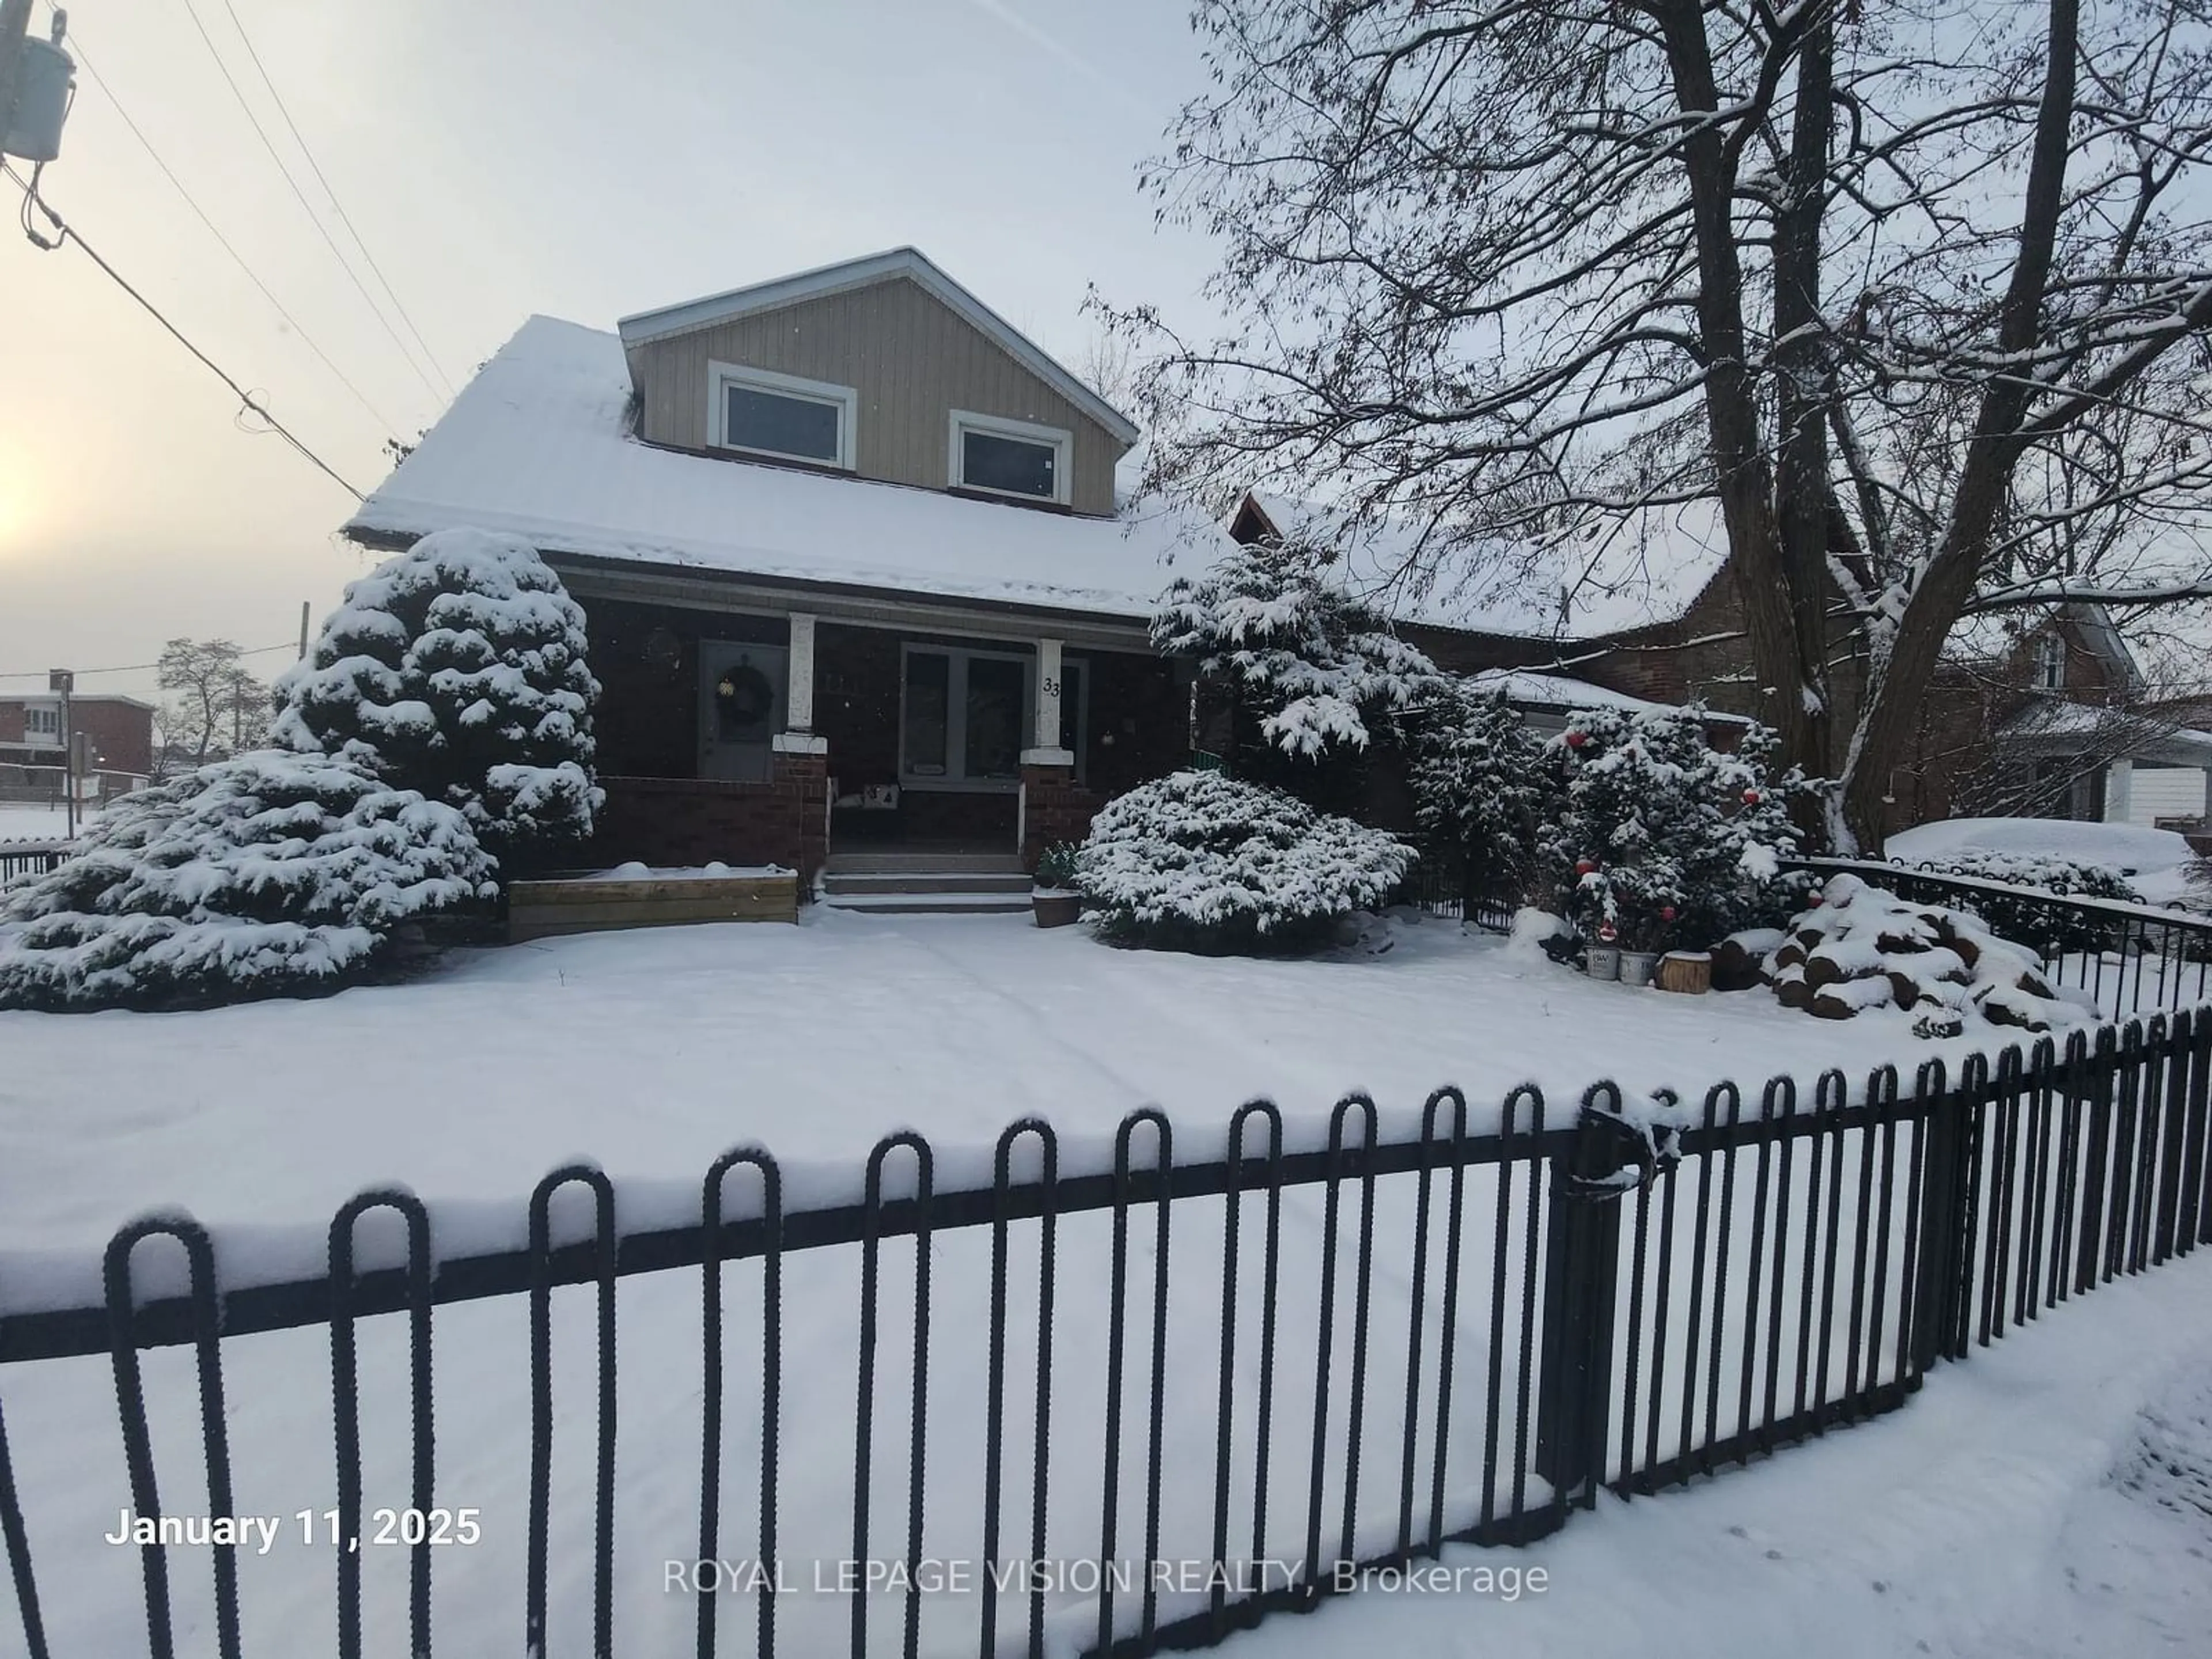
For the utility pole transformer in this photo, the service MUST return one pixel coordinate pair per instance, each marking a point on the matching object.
(36, 80)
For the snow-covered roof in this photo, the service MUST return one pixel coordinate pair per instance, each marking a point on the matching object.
(1526, 688)
(1651, 572)
(2049, 718)
(538, 444)
(899, 262)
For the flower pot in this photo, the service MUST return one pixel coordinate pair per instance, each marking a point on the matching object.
(1690, 972)
(1056, 907)
(1637, 967)
(1603, 961)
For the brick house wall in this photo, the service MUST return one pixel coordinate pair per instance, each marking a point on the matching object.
(120, 729)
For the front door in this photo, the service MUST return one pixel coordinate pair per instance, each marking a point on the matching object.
(741, 702)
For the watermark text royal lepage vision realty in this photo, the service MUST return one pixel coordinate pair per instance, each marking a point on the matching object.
(953, 1576)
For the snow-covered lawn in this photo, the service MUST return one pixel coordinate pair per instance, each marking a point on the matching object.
(654, 1051)
(19, 823)
(2050, 1497)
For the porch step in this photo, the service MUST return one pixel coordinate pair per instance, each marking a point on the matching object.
(895, 903)
(921, 863)
(874, 882)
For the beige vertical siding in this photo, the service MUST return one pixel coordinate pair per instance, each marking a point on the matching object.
(912, 361)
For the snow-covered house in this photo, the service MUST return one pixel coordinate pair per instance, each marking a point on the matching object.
(2043, 713)
(853, 563)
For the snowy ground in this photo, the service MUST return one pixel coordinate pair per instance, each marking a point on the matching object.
(2051, 1496)
(19, 823)
(654, 1051)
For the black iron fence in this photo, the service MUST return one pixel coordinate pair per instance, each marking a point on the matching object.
(2132, 958)
(22, 858)
(1398, 1334)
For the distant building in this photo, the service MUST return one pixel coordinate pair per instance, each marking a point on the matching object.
(34, 755)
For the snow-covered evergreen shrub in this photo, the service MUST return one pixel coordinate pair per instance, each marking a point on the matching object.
(457, 669)
(1865, 948)
(1657, 839)
(2023, 918)
(268, 874)
(1200, 861)
(1480, 790)
(1310, 680)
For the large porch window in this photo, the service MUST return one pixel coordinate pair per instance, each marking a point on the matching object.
(966, 714)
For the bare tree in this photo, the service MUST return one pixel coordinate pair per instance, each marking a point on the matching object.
(216, 705)
(1912, 300)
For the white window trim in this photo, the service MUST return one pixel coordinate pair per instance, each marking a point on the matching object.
(843, 399)
(2050, 662)
(1062, 441)
(955, 779)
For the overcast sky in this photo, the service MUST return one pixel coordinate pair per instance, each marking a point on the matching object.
(499, 157)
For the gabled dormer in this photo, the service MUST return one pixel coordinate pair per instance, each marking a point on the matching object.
(882, 367)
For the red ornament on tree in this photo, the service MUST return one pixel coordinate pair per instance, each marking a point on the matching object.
(1606, 933)
(1585, 866)
(1576, 739)
(1666, 913)
(1752, 798)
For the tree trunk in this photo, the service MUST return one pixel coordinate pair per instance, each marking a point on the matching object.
(1802, 395)
(1742, 477)
(1900, 677)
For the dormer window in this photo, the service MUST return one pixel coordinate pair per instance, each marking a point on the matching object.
(2050, 662)
(999, 457)
(781, 416)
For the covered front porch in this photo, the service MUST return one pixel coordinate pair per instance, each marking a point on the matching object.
(758, 727)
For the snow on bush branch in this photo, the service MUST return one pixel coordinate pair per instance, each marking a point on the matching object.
(269, 874)
(457, 668)
(1319, 668)
(1197, 860)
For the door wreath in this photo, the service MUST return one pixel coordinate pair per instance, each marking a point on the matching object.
(743, 698)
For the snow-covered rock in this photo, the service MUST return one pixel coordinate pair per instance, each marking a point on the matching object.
(268, 874)
(1864, 948)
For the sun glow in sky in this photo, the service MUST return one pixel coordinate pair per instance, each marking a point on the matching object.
(502, 158)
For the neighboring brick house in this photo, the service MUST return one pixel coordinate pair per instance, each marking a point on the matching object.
(856, 579)
(118, 732)
(2044, 715)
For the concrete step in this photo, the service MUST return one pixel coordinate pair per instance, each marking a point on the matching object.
(901, 881)
(931, 905)
(922, 863)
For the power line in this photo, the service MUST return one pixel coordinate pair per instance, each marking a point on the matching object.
(344, 218)
(246, 399)
(301, 196)
(77, 47)
(136, 667)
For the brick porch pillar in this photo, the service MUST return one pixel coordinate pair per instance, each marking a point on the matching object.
(1054, 807)
(800, 775)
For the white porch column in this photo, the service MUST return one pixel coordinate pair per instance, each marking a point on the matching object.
(799, 702)
(1049, 731)
(2119, 784)
(798, 737)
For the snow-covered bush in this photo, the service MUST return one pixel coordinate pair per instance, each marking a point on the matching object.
(1657, 839)
(2023, 918)
(1200, 861)
(1310, 678)
(268, 874)
(1864, 948)
(457, 669)
(1480, 792)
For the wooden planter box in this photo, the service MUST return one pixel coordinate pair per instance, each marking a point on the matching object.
(1687, 971)
(537, 910)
